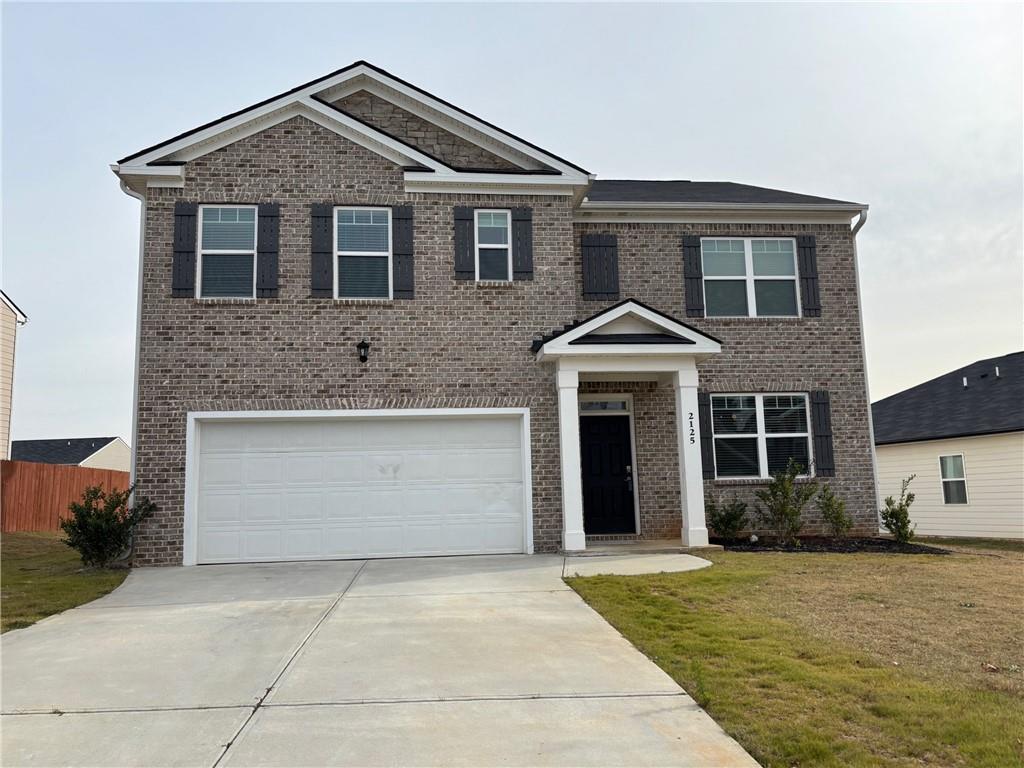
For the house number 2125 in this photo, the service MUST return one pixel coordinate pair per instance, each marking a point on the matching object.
(693, 432)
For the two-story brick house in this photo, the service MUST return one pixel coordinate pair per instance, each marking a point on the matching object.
(374, 325)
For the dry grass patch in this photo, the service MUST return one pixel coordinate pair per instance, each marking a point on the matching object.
(821, 659)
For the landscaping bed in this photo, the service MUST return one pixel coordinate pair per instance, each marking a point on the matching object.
(848, 544)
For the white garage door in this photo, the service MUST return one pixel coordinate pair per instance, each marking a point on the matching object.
(359, 487)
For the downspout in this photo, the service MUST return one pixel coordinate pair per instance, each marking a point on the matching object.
(861, 220)
(138, 345)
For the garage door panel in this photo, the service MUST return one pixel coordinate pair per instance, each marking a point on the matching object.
(355, 487)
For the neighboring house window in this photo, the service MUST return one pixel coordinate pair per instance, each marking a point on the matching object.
(362, 253)
(954, 479)
(493, 245)
(227, 252)
(750, 278)
(757, 435)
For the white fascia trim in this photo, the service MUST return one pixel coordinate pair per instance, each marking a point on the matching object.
(709, 217)
(19, 317)
(560, 347)
(590, 205)
(190, 549)
(459, 117)
(489, 184)
(424, 112)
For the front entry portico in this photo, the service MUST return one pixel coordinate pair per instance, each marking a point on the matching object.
(629, 342)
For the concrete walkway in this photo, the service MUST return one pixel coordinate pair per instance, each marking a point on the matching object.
(471, 661)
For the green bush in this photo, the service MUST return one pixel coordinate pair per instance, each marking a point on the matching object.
(101, 524)
(727, 521)
(784, 500)
(896, 514)
(833, 512)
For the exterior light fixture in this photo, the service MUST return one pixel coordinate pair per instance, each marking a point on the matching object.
(364, 350)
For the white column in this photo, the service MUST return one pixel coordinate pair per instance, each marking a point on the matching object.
(573, 538)
(691, 474)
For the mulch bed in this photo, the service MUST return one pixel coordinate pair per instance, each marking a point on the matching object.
(827, 544)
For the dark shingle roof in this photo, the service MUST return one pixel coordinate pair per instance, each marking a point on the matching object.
(73, 450)
(943, 407)
(631, 191)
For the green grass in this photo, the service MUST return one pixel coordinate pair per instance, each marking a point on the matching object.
(40, 576)
(799, 687)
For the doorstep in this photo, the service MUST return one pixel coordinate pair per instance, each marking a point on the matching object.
(599, 548)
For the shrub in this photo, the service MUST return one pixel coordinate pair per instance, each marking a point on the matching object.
(833, 512)
(896, 514)
(727, 521)
(101, 524)
(784, 500)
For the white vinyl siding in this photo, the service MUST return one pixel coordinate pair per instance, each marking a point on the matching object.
(994, 469)
(750, 277)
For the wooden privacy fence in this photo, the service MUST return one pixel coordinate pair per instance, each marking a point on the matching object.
(34, 496)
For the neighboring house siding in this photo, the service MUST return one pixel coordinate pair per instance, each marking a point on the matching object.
(114, 455)
(427, 137)
(994, 467)
(761, 354)
(8, 331)
(457, 344)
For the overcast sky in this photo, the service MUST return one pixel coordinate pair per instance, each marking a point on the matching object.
(913, 109)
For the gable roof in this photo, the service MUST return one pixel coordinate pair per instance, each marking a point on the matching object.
(944, 408)
(666, 329)
(20, 317)
(72, 450)
(630, 191)
(161, 161)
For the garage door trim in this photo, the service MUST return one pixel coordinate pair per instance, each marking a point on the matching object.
(195, 418)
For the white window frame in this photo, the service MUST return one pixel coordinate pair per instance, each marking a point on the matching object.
(338, 253)
(749, 277)
(944, 480)
(477, 245)
(762, 435)
(230, 252)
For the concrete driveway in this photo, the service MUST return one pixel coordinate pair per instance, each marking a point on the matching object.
(471, 661)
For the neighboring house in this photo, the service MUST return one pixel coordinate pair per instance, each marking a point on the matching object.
(10, 318)
(96, 452)
(962, 435)
(375, 325)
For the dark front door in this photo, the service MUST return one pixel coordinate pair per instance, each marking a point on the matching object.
(607, 475)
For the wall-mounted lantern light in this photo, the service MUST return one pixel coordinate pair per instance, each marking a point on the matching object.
(364, 350)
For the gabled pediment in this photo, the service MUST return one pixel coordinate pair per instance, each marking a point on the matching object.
(442, 144)
(628, 328)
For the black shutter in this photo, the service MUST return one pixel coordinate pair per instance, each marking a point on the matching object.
(807, 263)
(707, 446)
(465, 263)
(322, 245)
(402, 252)
(821, 426)
(600, 267)
(693, 276)
(522, 244)
(267, 238)
(183, 267)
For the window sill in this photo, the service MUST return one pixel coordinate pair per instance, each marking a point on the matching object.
(215, 300)
(364, 302)
(739, 481)
(495, 283)
(761, 318)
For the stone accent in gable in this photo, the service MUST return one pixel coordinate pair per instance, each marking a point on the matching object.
(425, 136)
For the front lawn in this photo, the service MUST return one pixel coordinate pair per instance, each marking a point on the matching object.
(841, 660)
(40, 576)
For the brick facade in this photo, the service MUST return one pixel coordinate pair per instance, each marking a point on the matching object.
(458, 343)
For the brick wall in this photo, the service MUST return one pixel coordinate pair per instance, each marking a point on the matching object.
(427, 137)
(458, 344)
(764, 354)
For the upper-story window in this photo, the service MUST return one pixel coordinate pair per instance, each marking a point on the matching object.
(750, 277)
(493, 245)
(362, 253)
(757, 435)
(954, 479)
(227, 252)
